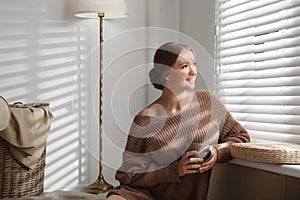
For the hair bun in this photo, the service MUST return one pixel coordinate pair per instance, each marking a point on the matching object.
(155, 79)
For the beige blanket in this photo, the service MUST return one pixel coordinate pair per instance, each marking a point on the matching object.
(27, 131)
(63, 195)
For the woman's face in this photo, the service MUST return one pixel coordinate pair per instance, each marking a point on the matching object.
(183, 73)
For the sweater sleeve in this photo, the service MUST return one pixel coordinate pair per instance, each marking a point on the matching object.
(231, 132)
(138, 170)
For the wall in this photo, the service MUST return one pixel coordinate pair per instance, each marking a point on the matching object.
(198, 21)
(163, 23)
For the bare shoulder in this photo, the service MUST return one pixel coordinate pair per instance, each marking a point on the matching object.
(145, 111)
(154, 109)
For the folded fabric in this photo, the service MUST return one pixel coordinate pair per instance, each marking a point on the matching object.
(4, 114)
(27, 131)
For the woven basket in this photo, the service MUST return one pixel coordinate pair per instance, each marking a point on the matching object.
(279, 153)
(16, 180)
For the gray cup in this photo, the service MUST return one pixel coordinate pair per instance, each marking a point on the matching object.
(204, 151)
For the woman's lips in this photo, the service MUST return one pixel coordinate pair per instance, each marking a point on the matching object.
(192, 80)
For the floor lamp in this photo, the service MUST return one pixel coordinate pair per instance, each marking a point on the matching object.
(100, 9)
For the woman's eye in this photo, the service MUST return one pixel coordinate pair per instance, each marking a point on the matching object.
(184, 66)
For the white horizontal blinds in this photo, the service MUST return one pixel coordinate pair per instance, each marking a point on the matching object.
(258, 66)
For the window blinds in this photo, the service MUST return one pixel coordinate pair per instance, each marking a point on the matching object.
(258, 66)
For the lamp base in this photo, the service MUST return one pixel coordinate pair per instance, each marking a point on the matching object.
(100, 186)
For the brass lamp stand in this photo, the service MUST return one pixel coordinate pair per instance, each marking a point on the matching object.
(100, 185)
(99, 9)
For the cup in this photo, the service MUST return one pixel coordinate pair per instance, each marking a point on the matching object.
(204, 151)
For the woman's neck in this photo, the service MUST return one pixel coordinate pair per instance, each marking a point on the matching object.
(170, 103)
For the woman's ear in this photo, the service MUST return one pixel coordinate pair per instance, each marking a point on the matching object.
(165, 76)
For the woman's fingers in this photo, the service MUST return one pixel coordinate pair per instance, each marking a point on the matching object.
(189, 154)
(193, 166)
(189, 164)
(209, 164)
(206, 166)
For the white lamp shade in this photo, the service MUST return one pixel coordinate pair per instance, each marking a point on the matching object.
(110, 8)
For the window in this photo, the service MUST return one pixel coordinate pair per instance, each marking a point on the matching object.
(258, 66)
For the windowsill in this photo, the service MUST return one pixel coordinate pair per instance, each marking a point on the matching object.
(289, 170)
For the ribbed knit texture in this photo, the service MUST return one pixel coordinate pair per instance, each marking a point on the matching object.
(156, 143)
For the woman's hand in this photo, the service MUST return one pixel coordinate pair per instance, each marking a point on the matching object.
(209, 164)
(188, 165)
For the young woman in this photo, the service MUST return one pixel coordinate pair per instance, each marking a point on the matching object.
(156, 163)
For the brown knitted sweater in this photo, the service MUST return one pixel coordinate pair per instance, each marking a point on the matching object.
(156, 143)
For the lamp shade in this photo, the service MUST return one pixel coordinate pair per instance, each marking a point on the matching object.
(110, 8)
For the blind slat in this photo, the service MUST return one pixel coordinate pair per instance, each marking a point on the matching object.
(272, 127)
(268, 118)
(256, 39)
(272, 82)
(269, 91)
(224, 4)
(266, 136)
(287, 75)
(261, 100)
(269, 55)
(292, 62)
(267, 28)
(261, 47)
(280, 112)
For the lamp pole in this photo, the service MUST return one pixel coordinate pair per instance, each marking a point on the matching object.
(100, 185)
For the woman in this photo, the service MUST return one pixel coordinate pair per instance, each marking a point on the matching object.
(156, 163)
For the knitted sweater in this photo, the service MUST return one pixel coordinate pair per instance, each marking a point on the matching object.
(156, 143)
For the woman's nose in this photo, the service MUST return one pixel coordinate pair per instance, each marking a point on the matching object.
(193, 70)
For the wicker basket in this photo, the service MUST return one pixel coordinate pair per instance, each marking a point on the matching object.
(280, 153)
(16, 180)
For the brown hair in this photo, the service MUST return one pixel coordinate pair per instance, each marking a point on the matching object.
(164, 58)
